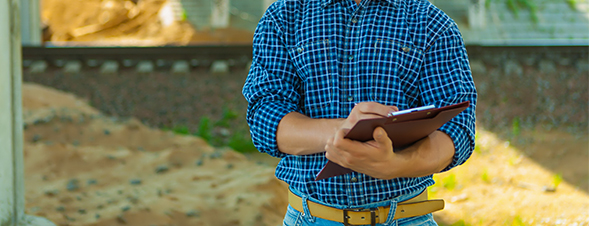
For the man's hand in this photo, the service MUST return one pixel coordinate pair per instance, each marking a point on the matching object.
(372, 158)
(367, 110)
(376, 157)
(364, 157)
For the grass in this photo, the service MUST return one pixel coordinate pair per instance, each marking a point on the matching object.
(231, 136)
(556, 180)
(450, 182)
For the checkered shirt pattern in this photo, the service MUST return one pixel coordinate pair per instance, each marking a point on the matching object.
(320, 57)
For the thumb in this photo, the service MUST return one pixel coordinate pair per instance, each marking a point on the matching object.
(381, 137)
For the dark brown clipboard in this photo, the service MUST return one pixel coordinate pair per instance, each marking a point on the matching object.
(403, 130)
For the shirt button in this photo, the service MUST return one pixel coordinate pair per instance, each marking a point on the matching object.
(354, 20)
(351, 57)
(350, 98)
(354, 179)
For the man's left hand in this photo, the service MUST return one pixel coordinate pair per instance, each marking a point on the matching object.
(374, 158)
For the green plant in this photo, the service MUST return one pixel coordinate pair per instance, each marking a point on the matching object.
(226, 117)
(515, 127)
(241, 143)
(459, 223)
(572, 4)
(183, 130)
(485, 176)
(556, 179)
(449, 182)
(204, 129)
(517, 221)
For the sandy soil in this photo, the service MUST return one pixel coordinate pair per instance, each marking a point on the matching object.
(83, 168)
(126, 23)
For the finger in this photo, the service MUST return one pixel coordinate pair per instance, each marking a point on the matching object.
(373, 108)
(381, 137)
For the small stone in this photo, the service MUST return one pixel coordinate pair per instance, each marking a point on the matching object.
(109, 67)
(60, 208)
(38, 67)
(76, 143)
(220, 67)
(135, 181)
(36, 138)
(100, 207)
(79, 198)
(72, 185)
(82, 211)
(229, 166)
(199, 162)
(145, 67)
(92, 182)
(120, 192)
(126, 208)
(459, 198)
(161, 169)
(193, 213)
(106, 132)
(112, 157)
(216, 155)
(550, 189)
(72, 67)
(69, 218)
(121, 219)
(180, 67)
(547, 67)
(97, 216)
(51, 193)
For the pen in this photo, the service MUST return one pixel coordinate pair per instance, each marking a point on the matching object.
(412, 110)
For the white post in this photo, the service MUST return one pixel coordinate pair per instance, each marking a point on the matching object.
(476, 14)
(220, 14)
(31, 23)
(12, 197)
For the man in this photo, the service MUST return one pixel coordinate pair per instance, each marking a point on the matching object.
(319, 66)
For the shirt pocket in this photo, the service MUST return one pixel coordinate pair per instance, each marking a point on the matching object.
(396, 71)
(315, 65)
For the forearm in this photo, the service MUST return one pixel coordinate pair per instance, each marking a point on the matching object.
(428, 156)
(298, 134)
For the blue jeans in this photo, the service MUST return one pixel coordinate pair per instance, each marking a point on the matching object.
(296, 218)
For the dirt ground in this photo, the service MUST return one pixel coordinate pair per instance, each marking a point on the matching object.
(83, 168)
(127, 23)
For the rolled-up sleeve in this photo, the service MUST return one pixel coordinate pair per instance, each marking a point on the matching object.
(271, 85)
(446, 79)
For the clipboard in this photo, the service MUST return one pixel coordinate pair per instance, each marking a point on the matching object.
(403, 130)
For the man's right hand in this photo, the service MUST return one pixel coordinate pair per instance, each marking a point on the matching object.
(298, 134)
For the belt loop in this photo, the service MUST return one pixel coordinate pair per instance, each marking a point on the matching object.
(306, 209)
(392, 212)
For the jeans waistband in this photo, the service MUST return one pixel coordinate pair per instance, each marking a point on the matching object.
(388, 202)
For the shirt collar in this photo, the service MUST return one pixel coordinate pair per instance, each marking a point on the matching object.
(325, 3)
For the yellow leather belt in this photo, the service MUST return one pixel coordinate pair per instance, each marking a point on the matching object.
(416, 206)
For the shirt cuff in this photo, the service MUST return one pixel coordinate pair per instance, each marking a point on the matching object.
(263, 126)
(463, 143)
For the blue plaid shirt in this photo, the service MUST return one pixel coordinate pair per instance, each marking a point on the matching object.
(320, 57)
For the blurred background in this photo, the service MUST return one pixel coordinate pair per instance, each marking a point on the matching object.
(134, 115)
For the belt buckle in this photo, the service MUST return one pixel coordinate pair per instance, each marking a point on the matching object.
(372, 215)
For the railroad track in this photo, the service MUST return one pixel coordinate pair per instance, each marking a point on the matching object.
(219, 58)
(178, 59)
